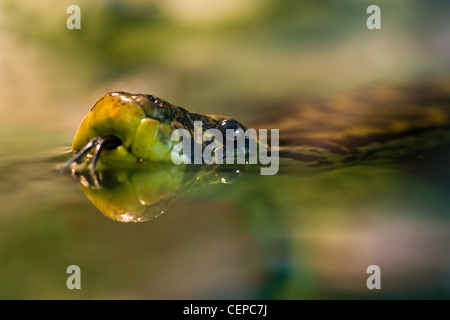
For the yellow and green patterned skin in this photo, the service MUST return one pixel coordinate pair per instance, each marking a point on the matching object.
(144, 125)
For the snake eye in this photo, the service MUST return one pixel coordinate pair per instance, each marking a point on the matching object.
(151, 98)
(160, 112)
(232, 124)
(154, 107)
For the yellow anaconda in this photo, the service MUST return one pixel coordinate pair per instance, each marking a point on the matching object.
(375, 126)
(340, 130)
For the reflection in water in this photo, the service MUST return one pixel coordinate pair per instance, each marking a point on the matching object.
(294, 235)
(138, 195)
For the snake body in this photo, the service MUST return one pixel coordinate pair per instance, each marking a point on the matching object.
(342, 130)
(377, 126)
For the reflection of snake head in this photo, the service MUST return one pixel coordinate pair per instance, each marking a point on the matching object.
(138, 195)
(131, 128)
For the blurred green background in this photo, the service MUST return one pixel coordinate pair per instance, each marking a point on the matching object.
(311, 237)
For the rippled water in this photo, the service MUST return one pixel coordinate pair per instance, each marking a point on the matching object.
(298, 234)
(302, 233)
